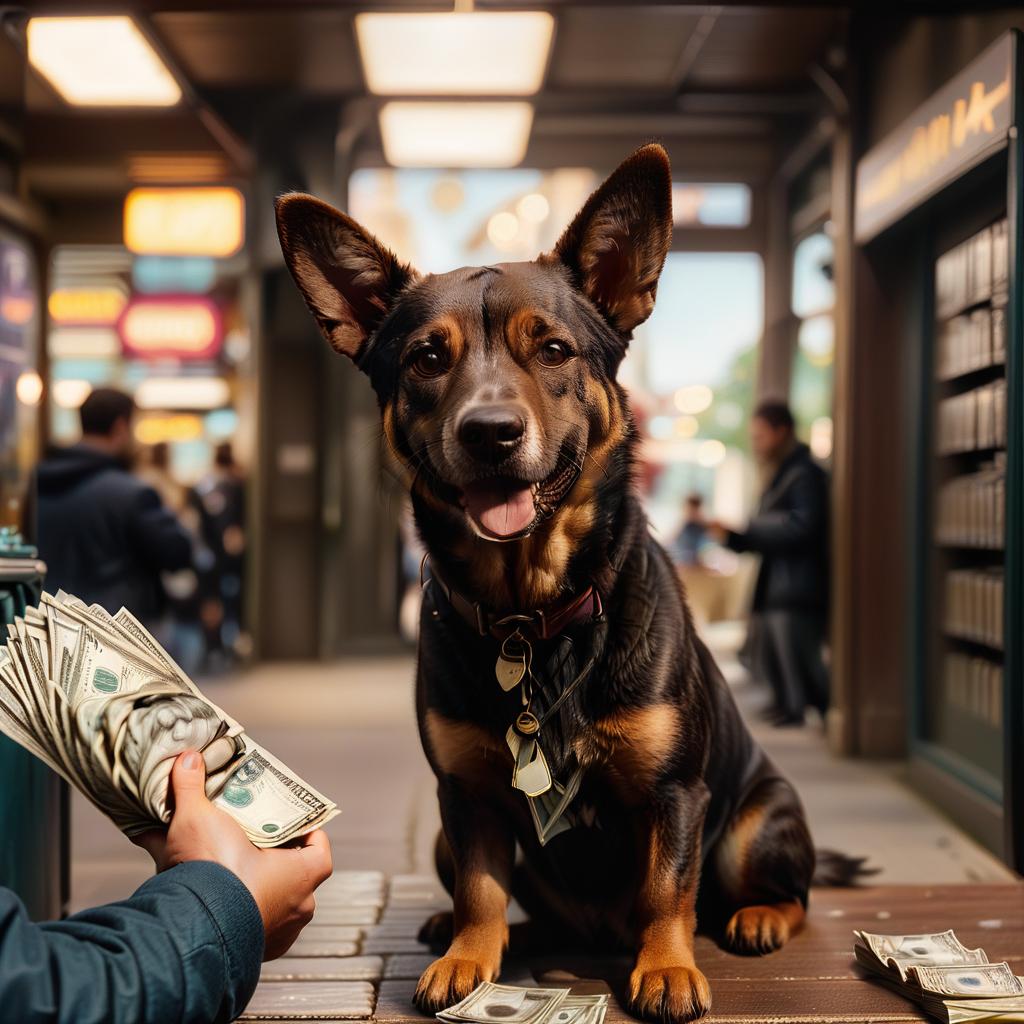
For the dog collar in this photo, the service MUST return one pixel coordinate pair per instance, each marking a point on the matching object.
(540, 624)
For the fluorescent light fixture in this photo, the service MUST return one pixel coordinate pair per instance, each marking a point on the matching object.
(100, 62)
(499, 53)
(455, 134)
(182, 393)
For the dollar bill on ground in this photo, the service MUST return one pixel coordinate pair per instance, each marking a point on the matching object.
(950, 982)
(996, 1009)
(507, 1004)
(900, 952)
(97, 698)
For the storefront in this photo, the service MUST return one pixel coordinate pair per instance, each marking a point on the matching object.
(937, 313)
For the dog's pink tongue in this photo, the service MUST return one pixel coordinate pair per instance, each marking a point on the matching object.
(500, 509)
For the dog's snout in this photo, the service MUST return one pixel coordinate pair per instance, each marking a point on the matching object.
(491, 433)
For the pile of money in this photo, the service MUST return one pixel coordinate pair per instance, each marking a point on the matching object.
(506, 1004)
(949, 981)
(99, 700)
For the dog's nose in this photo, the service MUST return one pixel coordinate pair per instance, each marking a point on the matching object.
(491, 433)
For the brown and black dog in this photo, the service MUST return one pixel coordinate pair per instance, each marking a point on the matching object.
(497, 387)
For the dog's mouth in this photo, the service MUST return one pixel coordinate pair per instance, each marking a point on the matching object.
(504, 509)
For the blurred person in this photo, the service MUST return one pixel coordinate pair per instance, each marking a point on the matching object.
(187, 946)
(694, 533)
(155, 470)
(104, 534)
(789, 531)
(218, 501)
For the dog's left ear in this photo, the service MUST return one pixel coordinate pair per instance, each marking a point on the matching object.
(348, 278)
(616, 245)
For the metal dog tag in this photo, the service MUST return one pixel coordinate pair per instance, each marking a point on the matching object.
(512, 662)
(531, 774)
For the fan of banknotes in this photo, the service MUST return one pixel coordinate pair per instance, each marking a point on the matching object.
(99, 700)
(490, 1004)
(949, 981)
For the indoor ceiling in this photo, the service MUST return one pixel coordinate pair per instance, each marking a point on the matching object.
(728, 73)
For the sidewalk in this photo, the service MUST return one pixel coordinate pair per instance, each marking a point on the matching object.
(350, 729)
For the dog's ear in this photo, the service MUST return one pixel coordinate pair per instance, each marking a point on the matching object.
(348, 278)
(616, 245)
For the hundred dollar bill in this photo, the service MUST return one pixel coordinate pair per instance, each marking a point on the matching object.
(270, 802)
(975, 981)
(98, 700)
(505, 1003)
(994, 1009)
(934, 949)
(588, 1009)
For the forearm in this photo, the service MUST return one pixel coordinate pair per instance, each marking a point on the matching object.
(186, 947)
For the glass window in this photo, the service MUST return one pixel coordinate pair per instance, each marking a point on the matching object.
(718, 205)
(814, 291)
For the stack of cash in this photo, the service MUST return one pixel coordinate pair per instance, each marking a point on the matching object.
(949, 981)
(99, 700)
(505, 1004)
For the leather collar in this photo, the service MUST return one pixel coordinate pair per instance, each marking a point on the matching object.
(539, 624)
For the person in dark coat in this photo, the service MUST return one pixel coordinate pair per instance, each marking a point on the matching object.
(186, 948)
(790, 531)
(104, 534)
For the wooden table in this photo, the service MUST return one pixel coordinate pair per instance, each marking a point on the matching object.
(812, 980)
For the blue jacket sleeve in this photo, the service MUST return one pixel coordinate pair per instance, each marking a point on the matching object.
(185, 948)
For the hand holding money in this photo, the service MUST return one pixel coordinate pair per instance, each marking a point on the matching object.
(96, 698)
(281, 882)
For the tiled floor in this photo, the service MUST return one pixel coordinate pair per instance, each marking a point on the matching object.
(350, 730)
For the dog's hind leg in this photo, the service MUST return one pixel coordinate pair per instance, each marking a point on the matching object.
(760, 871)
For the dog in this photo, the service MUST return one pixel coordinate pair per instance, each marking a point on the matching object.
(556, 645)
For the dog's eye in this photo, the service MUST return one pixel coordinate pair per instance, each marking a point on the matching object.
(553, 353)
(429, 362)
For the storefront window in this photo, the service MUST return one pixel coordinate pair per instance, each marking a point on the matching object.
(813, 297)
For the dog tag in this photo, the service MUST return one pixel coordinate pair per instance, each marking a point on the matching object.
(512, 662)
(532, 774)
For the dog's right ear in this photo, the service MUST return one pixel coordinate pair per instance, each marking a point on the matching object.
(348, 278)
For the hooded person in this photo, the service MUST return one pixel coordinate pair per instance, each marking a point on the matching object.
(104, 534)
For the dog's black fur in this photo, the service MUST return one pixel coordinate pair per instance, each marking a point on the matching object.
(678, 808)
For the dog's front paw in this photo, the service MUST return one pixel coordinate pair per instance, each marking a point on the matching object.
(754, 931)
(671, 994)
(437, 931)
(446, 981)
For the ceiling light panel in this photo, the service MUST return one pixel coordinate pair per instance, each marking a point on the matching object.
(500, 53)
(100, 62)
(455, 134)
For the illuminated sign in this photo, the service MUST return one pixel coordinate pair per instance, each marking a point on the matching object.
(160, 274)
(966, 121)
(184, 221)
(152, 429)
(86, 307)
(171, 327)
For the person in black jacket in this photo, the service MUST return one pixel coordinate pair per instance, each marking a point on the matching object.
(790, 532)
(104, 534)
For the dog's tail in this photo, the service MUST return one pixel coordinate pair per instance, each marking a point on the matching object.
(836, 870)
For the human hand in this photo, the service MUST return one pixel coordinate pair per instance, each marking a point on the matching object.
(281, 880)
